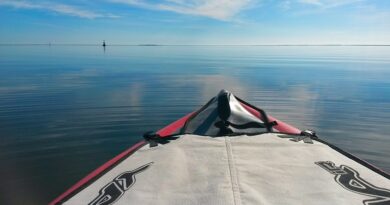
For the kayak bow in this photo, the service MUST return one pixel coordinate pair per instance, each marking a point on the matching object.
(231, 152)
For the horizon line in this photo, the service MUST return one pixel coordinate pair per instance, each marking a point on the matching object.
(95, 44)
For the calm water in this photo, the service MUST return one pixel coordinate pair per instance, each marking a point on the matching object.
(64, 110)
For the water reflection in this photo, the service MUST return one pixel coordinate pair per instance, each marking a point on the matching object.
(66, 110)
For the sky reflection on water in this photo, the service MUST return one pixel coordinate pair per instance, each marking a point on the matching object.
(64, 110)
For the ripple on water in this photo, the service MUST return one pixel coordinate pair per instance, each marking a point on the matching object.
(64, 115)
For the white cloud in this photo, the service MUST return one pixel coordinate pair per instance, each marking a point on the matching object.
(325, 4)
(56, 8)
(216, 9)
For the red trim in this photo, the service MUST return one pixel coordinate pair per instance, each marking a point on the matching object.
(97, 172)
(284, 127)
(171, 128)
(281, 126)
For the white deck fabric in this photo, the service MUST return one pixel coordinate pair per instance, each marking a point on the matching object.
(240, 170)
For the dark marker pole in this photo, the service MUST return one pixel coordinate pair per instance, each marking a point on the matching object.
(104, 46)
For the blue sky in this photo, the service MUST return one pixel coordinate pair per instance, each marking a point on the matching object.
(196, 21)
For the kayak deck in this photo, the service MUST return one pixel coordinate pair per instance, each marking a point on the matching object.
(261, 169)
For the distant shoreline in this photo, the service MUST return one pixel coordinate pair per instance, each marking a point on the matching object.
(152, 45)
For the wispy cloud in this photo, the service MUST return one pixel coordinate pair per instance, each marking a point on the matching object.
(312, 2)
(372, 15)
(325, 4)
(63, 9)
(285, 5)
(216, 9)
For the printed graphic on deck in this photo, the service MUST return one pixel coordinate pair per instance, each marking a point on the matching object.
(350, 179)
(114, 190)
